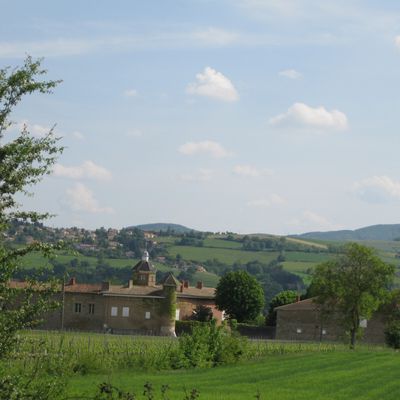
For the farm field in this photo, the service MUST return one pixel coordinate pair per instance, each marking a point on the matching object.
(278, 370)
(227, 252)
(336, 375)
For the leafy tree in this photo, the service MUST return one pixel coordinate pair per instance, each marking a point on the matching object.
(353, 286)
(282, 298)
(24, 161)
(202, 313)
(240, 296)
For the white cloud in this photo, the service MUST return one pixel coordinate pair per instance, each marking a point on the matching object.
(251, 171)
(78, 135)
(80, 198)
(311, 221)
(216, 37)
(271, 200)
(397, 41)
(208, 147)
(377, 189)
(212, 83)
(202, 175)
(131, 93)
(300, 115)
(88, 170)
(290, 73)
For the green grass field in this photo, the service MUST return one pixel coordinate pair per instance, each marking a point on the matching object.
(337, 375)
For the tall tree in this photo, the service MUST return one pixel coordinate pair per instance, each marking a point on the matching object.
(240, 295)
(24, 161)
(353, 286)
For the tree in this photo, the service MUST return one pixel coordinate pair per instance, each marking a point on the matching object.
(24, 161)
(353, 287)
(240, 296)
(282, 298)
(202, 313)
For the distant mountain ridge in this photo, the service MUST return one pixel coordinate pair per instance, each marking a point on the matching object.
(156, 227)
(374, 232)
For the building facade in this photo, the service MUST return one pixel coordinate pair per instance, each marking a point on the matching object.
(141, 306)
(304, 321)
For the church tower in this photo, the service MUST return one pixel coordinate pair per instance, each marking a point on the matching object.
(144, 274)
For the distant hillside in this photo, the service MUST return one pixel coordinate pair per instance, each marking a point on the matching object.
(164, 227)
(374, 232)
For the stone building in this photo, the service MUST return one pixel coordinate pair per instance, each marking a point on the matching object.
(140, 306)
(304, 321)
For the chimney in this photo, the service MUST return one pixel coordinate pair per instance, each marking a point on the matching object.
(186, 284)
(72, 281)
(105, 286)
(199, 285)
(130, 283)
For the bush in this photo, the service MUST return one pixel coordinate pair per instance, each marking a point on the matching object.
(392, 334)
(209, 345)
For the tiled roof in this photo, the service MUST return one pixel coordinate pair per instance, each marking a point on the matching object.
(308, 304)
(83, 288)
(170, 280)
(144, 266)
(135, 290)
(193, 292)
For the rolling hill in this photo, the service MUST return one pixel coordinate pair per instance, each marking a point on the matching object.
(157, 227)
(375, 232)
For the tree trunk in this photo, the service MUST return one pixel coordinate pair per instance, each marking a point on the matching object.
(352, 338)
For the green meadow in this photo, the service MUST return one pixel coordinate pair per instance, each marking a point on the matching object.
(301, 376)
(275, 370)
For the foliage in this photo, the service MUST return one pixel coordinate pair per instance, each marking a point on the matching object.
(240, 296)
(353, 286)
(23, 163)
(209, 345)
(282, 298)
(202, 313)
(392, 334)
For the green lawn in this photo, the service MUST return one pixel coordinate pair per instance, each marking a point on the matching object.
(318, 376)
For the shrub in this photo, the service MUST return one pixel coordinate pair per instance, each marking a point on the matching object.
(209, 345)
(392, 334)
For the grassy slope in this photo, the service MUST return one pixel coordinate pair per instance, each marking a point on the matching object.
(229, 253)
(324, 376)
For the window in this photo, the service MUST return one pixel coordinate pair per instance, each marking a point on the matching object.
(142, 278)
(363, 323)
(298, 330)
(114, 311)
(324, 331)
(91, 308)
(78, 307)
(125, 311)
(147, 315)
(177, 312)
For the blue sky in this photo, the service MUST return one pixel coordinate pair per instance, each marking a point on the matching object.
(277, 116)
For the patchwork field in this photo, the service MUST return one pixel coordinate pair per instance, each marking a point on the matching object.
(229, 252)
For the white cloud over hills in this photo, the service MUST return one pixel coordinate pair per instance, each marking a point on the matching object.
(377, 189)
(209, 147)
(80, 198)
(300, 116)
(290, 73)
(211, 83)
(88, 170)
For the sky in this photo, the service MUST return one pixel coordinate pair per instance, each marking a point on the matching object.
(273, 116)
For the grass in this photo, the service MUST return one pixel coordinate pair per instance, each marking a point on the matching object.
(335, 375)
(280, 371)
(227, 256)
